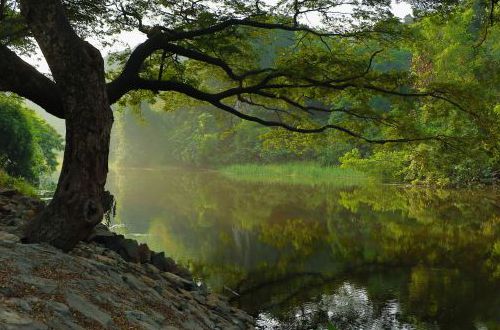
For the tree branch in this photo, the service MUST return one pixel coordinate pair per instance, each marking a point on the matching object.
(21, 78)
(234, 22)
(159, 41)
(129, 80)
(214, 100)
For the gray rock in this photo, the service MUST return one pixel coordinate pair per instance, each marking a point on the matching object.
(58, 307)
(157, 316)
(160, 261)
(25, 266)
(222, 308)
(136, 315)
(144, 254)
(7, 291)
(44, 248)
(202, 289)
(199, 297)
(12, 320)
(43, 284)
(8, 238)
(100, 232)
(151, 269)
(134, 282)
(141, 319)
(190, 324)
(179, 281)
(8, 192)
(113, 242)
(82, 305)
(130, 250)
(60, 322)
(20, 303)
(33, 300)
(203, 317)
(108, 298)
(114, 276)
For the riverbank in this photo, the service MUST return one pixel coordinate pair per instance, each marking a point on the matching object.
(95, 287)
(294, 173)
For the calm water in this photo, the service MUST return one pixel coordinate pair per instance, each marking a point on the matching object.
(309, 257)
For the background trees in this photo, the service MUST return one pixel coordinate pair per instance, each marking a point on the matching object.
(446, 53)
(28, 145)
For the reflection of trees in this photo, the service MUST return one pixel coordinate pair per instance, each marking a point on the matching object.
(447, 228)
(297, 233)
(253, 236)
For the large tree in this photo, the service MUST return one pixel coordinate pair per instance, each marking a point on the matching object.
(209, 51)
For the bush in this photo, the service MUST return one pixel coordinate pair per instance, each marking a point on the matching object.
(28, 145)
(6, 181)
(387, 165)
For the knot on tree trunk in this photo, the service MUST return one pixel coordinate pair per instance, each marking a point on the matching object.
(92, 211)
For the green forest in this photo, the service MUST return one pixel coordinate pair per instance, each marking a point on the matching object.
(456, 53)
(449, 53)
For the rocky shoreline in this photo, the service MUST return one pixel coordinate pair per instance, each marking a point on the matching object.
(108, 282)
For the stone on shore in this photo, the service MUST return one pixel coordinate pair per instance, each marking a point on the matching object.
(108, 282)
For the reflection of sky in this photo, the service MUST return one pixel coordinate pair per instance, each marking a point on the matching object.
(349, 307)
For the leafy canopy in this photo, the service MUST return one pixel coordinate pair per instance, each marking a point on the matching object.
(210, 51)
(356, 69)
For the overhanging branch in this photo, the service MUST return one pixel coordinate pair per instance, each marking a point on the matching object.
(19, 77)
(268, 85)
(216, 101)
(234, 22)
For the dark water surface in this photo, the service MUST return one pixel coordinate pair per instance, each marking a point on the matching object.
(313, 257)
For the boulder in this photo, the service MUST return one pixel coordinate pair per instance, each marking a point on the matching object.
(8, 192)
(144, 254)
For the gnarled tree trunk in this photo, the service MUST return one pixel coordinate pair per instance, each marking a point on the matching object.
(78, 71)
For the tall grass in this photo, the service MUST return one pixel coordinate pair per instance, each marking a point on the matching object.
(294, 173)
(6, 181)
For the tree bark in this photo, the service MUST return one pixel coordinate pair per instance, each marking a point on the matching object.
(78, 70)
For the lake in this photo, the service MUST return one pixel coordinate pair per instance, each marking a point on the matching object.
(324, 256)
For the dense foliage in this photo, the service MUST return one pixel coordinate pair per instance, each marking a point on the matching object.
(431, 81)
(455, 53)
(28, 145)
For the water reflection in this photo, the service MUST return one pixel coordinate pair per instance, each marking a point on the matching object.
(361, 257)
(349, 307)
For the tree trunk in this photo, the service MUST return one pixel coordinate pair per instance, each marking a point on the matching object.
(77, 204)
(78, 71)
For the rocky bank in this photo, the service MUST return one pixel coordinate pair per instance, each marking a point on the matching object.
(108, 282)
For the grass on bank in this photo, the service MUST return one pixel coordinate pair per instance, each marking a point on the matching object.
(6, 181)
(294, 173)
